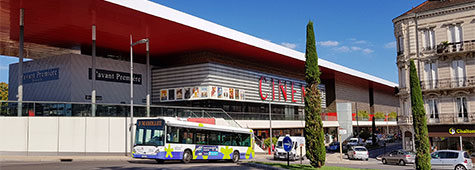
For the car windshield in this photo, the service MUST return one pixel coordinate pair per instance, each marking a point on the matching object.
(360, 149)
(279, 144)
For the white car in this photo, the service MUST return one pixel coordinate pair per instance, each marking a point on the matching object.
(451, 159)
(358, 152)
(353, 142)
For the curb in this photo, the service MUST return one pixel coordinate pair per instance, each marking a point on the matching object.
(261, 166)
(63, 159)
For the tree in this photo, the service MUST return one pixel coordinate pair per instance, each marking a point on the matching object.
(314, 136)
(419, 122)
(3, 91)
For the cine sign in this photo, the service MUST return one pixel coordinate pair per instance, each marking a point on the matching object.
(281, 90)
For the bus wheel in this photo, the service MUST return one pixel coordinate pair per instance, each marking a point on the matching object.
(236, 156)
(160, 161)
(186, 157)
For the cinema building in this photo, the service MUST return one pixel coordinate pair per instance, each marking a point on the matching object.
(187, 67)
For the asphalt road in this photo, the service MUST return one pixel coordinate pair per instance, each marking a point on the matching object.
(119, 165)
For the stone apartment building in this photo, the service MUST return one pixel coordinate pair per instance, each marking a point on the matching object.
(444, 54)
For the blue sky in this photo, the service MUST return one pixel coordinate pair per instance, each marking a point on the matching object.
(355, 34)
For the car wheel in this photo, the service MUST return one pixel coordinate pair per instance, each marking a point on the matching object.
(460, 167)
(186, 157)
(236, 156)
(384, 161)
(402, 163)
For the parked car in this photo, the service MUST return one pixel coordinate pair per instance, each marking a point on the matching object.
(369, 141)
(334, 147)
(353, 142)
(399, 157)
(451, 159)
(358, 152)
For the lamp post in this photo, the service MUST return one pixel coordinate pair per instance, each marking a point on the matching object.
(132, 44)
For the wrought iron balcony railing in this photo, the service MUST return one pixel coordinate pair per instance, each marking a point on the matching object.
(456, 47)
(448, 83)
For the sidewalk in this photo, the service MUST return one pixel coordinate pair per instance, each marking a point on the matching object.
(64, 158)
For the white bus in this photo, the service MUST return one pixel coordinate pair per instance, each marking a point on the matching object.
(174, 139)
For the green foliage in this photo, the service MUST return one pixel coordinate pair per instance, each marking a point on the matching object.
(3, 91)
(267, 141)
(363, 114)
(314, 135)
(379, 115)
(419, 122)
(392, 115)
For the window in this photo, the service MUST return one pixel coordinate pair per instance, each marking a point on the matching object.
(200, 137)
(454, 35)
(430, 73)
(173, 134)
(400, 44)
(452, 155)
(186, 136)
(151, 137)
(458, 73)
(462, 108)
(433, 108)
(428, 39)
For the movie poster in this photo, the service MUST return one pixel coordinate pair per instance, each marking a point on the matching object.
(241, 94)
(214, 92)
(171, 94)
(236, 94)
(179, 94)
(204, 92)
(196, 93)
(187, 93)
(163, 95)
(231, 93)
(225, 93)
(220, 92)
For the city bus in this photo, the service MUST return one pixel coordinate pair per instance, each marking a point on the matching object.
(169, 138)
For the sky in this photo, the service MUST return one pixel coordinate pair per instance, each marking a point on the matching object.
(355, 34)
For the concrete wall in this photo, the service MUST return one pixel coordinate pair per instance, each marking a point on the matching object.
(58, 135)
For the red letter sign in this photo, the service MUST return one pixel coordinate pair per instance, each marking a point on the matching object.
(293, 91)
(284, 91)
(260, 88)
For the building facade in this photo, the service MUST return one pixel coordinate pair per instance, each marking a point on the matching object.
(440, 37)
(198, 69)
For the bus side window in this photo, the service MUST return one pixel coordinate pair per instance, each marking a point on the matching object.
(213, 137)
(226, 138)
(173, 134)
(246, 140)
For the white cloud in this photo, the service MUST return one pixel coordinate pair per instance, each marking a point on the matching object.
(329, 43)
(368, 51)
(289, 45)
(342, 49)
(390, 44)
(360, 42)
(355, 48)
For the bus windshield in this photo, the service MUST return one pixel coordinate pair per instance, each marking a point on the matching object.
(152, 137)
(150, 132)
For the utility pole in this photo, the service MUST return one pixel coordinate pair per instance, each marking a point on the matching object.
(20, 63)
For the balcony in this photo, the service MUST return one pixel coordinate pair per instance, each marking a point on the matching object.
(456, 47)
(449, 83)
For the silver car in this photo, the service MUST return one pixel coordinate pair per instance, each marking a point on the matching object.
(399, 157)
(358, 152)
(451, 159)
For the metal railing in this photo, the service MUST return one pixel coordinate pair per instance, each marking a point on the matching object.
(448, 83)
(264, 116)
(80, 109)
(456, 47)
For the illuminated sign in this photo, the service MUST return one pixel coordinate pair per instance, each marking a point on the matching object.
(150, 124)
(281, 90)
(454, 131)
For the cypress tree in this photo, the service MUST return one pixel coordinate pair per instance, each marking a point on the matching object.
(314, 136)
(419, 122)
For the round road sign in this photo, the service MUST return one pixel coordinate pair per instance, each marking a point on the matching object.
(287, 142)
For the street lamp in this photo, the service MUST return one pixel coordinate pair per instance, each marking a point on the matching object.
(142, 41)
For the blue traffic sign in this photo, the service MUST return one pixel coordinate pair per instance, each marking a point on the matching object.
(287, 144)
